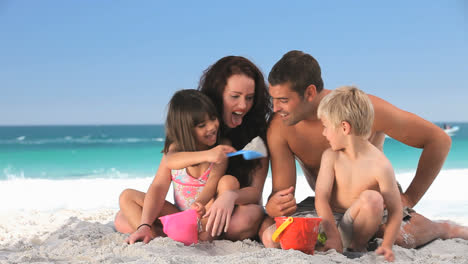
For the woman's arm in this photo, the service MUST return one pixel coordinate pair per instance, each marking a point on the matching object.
(253, 194)
(220, 211)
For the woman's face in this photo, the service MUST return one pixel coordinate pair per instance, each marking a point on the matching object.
(238, 98)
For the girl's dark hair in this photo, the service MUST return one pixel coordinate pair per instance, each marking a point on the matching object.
(186, 109)
(212, 83)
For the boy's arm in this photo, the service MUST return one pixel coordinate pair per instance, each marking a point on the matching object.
(179, 160)
(391, 196)
(283, 172)
(323, 191)
(414, 131)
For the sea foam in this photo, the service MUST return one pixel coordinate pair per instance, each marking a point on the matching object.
(445, 199)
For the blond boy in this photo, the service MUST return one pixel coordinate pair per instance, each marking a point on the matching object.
(355, 177)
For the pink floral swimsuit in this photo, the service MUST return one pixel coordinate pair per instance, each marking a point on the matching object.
(187, 188)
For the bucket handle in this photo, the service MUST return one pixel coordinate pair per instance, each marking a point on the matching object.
(281, 228)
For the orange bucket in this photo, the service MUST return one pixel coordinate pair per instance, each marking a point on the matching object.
(299, 233)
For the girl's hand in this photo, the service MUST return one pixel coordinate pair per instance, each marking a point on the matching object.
(218, 153)
(144, 234)
(220, 212)
(200, 208)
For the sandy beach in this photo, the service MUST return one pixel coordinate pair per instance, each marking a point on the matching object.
(69, 236)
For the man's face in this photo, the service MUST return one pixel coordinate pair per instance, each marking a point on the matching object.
(287, 103)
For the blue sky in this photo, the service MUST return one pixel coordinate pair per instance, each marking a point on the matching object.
(119, 62)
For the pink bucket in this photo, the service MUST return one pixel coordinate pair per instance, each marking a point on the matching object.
(182, 226)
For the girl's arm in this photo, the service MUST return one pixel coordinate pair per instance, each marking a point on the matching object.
(180, 160)
(153, 203)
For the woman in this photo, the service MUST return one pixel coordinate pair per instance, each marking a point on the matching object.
(238, 90)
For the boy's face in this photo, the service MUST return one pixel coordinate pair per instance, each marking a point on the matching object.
(287, 103)
(333, 134)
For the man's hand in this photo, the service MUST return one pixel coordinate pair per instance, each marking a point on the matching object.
(386, 252)
(142, 234)
(282, 203)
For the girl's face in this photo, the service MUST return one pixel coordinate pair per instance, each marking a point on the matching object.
(238, 98)
(206, 133)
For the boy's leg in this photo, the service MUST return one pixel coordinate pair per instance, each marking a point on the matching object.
(366, 214)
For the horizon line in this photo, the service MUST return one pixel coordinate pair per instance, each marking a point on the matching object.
(142, 124)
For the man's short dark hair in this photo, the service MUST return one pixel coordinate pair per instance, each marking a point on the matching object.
(299, 69)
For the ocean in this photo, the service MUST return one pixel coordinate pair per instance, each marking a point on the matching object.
(86, 167)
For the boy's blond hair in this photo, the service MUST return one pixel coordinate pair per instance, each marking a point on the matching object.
(349, 104)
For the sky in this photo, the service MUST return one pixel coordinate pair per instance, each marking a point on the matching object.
(119, 62)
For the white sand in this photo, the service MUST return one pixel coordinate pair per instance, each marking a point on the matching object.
(89, 237)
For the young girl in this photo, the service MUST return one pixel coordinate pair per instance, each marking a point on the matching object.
(196, 167)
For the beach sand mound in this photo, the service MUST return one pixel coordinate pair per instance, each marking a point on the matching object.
(89, 237)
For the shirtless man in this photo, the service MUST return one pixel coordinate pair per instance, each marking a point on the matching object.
(295, 133)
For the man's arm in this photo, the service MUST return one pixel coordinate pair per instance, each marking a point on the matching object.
(414, 131)
(323, 191)
(283, 169)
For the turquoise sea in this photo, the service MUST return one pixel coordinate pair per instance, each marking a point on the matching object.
(132, 151)
(87, 167)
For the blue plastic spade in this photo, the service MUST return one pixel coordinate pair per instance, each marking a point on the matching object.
(247, 154)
